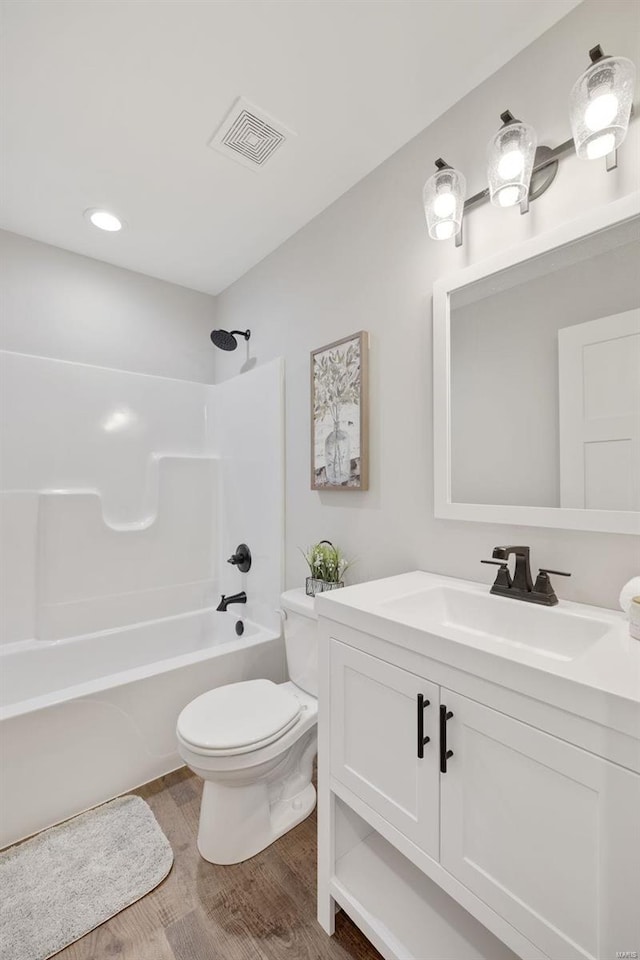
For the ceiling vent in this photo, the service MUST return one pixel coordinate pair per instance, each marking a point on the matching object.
(249, 135)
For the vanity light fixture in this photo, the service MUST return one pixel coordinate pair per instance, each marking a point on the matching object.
(443, 199)
(103, 219)
(511, 156)
(600, 106)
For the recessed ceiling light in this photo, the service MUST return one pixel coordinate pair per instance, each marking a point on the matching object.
(103, 220)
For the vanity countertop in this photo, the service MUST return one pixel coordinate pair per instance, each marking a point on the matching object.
(573, 656)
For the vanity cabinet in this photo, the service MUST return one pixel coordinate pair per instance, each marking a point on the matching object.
(541, 831)
(535, 837)
(375, 727)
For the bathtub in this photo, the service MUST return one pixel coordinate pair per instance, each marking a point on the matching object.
(85, 719)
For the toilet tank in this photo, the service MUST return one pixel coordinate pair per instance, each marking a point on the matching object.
(300, 625)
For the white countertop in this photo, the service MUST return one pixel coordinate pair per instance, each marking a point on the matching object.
(599, 680)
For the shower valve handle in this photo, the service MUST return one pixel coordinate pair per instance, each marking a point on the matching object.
(241, 558)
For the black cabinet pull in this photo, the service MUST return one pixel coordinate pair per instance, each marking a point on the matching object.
(444, 753)
(422, 703)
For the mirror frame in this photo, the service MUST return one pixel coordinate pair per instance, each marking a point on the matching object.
(600, 521)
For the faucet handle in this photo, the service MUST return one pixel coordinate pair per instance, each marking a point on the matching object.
(543, 587)
(241, 558)
(503, 577)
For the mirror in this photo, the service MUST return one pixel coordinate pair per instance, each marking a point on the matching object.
(542, 381)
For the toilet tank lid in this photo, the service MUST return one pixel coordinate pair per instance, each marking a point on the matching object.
(296, 601)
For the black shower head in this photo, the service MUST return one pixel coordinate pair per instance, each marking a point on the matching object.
(227, 341)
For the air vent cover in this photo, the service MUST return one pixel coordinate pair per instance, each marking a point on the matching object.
(249, 135)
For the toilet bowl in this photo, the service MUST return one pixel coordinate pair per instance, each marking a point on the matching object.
(254, 743)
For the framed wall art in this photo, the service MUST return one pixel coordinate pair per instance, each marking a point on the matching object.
(340, 415)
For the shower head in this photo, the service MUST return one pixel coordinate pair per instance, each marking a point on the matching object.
(227, 341)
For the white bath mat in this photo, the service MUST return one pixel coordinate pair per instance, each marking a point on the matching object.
(70, 879)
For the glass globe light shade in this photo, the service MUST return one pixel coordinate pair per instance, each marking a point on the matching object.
(443, 198)
(511, 155)
(600, 106)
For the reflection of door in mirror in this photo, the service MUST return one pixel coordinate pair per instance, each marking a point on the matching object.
(599, 406)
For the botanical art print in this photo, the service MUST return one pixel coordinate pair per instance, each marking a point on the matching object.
(339, 415)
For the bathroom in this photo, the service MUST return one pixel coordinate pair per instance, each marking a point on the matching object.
(199, 759)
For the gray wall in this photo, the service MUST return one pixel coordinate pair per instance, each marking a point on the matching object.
(59, 304)
(367, 263)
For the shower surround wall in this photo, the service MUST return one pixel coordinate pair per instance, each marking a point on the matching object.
(121, 497)
(109, 489)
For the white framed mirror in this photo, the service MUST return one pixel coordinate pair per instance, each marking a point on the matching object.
(536, 373)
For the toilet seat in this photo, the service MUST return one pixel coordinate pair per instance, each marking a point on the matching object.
(238, 718)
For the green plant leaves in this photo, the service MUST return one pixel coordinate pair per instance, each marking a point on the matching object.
(326, 562)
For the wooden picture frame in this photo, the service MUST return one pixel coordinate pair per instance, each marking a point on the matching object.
(340, 414)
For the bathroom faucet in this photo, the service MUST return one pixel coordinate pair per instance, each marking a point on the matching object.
(521, 586)
(522, 574)
(225, 601)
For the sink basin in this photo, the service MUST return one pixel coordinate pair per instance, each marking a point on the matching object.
(549, 631)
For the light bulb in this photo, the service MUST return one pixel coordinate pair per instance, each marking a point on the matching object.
(443, 200)
(510, 164)
(601, 146)
(444, 204)
(600, 105)
(601, 111)
(510, 155)
(104, 220)
(445, 229)
(509, 196)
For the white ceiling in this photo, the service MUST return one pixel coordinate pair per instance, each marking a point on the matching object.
(110, 103)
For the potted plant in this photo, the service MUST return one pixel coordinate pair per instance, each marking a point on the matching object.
(327, 566)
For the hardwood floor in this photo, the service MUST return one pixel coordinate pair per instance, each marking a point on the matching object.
(263, 909)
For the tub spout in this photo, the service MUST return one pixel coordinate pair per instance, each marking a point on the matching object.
(226, 601)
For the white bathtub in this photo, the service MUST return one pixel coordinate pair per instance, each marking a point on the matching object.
(85, 719)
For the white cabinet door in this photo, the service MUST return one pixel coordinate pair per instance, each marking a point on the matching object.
(376, 719)
(545, 833)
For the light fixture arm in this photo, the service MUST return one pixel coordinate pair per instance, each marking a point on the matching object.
(507, 118)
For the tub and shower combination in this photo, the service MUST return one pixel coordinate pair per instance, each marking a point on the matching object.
(85, 719)
(121, 497)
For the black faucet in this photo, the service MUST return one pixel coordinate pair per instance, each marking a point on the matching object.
(522, 574)
(521, 585)
(225, 601)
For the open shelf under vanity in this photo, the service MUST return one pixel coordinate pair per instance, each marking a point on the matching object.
(405, 915)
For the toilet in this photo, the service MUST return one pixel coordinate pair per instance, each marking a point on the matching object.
(254, 743)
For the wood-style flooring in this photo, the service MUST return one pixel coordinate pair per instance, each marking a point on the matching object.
(263, 909)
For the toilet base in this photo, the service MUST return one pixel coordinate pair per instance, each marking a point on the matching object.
(237, 823)
(242, 812)
(286, 814)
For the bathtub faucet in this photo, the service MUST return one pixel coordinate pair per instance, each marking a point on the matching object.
(236, 598)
